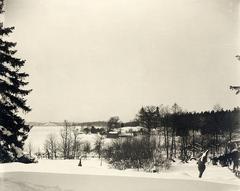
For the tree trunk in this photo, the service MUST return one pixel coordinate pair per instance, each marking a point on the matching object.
(230, 135)
(216, 142)
(172, 144)
(175, 148)
(167, 144)
(193, 144)
(165, 138)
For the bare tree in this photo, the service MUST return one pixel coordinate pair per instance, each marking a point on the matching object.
(76, 143)
(50, 146)
(78, 152)
(99, 147)
(86, 147)
(165, 114)
(30, 149)
(66, 140)
(176, 110)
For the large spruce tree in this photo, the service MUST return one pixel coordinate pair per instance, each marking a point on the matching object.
(13, 128)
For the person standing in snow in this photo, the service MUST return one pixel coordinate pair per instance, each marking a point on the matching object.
(80, 161)
(201, 163)
(235, 158)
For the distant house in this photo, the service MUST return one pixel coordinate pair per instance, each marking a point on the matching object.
(126, 134)
(113, 134)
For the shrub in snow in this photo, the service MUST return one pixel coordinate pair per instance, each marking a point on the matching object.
(21, 157)
(138, 152)
(87, 147)
(14, 154)
(26, 159)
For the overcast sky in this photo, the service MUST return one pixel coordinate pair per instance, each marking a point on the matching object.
(92, 59)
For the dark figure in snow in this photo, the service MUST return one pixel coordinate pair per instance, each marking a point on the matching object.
(80, 161)
(214, 160)
(223, 160)
(201, 163)
(235, 158)
(229, 159)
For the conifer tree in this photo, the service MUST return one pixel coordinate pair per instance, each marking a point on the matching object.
(13, 128)
(149, 117)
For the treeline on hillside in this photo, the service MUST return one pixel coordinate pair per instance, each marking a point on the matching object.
(193, 131)
(211, 129)
(94, 123)
(173, 133)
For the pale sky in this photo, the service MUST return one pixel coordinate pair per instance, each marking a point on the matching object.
(92, 59)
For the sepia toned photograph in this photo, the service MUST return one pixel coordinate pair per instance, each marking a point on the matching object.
(119, 95)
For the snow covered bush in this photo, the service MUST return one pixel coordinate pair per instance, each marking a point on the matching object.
(86, 147)
(15, 155)
(27, 159)
(138, 152)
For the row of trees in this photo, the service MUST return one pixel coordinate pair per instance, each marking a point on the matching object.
(192, 130)
(68, 145)
(173, 133)
(179, 132)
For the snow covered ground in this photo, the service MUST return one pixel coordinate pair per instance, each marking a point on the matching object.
(65, 182)
(58, 175)
(66, 175)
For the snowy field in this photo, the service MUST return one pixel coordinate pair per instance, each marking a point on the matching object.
(65, 182)
(39, 134)
(66, 175)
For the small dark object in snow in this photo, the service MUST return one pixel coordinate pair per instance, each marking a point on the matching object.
(172, 160)
(80, 162)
